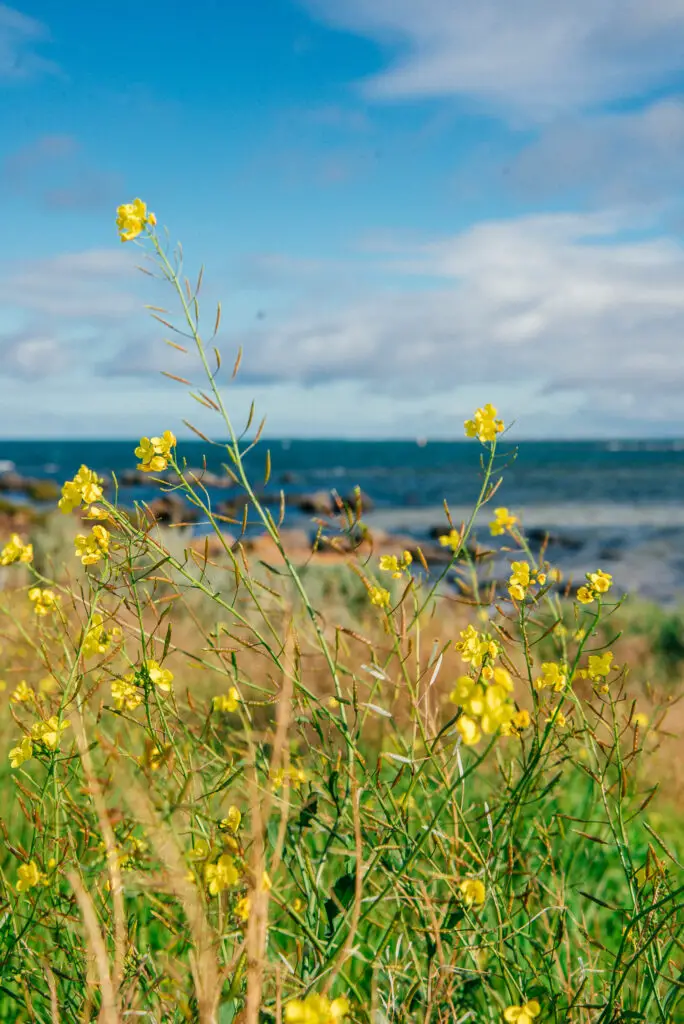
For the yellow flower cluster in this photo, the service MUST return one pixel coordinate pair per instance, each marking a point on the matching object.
(22, 694)
(231, 822)
(221, 875)
(162, 678)
(316, 1009)
(131, 218)
(379, 596)
(295, 775)
(598, 582)
(16, 551)
(478, 649)
(524, 1014)
(522, 578)
(227, 701)
(98, 640)
(22, 752)
(503, 521)
(48, 732)
(29, 876)
(473, 892)
(484, 424)
(486, 705)
(390, 563)
(155, 452)
(125, 694)
(44, 601)
(85, 488)
(90, 549)
(452, 539)
(553, 677)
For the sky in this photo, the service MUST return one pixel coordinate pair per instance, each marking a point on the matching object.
(406, 209)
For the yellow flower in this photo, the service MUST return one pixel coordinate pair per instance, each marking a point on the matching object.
(132, 218)
(462, 691)
(86, 488)
(559, 720)
(231, 823)
(242, 908)
(522, 578)
(640, 719)
(475, 647)
(95, 512)
(16, 551)
(126, 694)
(469, 730)
(23, 694)
(600, 581)
(503, 521)
(379, 596)
(161, 677)
(552, 676)
(44, 601)
(484, 424)
(155, 452)
(503, 678)
(98, 640)
(600, 665)
(29, 876)
(452, 540)
(585, 595)
(390, 563)
(473, 892)
(227, 701)
(316, 1009)
(90, 549)
(48, 733)
(522, 1014)
(200, 850)
(520, 720)
(24, 752)
(221, 875)
(296, 777)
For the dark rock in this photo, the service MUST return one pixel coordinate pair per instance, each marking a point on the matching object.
(172, 509)
(536, 536)
(317, 503)
(43, 490)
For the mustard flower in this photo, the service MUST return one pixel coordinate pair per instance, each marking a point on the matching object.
(44, 601)
(98, 640)
(524, 1014)
(503, 521)
(469, 730)
(522, 578)
(231, 822)
(452, 540)
(23, 694)
(125, 694)
(132, 218)
(295, 776)
(221, 875)
(600, 665)
(24, 752)
(29, 876)
(585, 595)
(475, 647)
(518, 722)
(242, 908)
(640, 719)
(552, 677)
(161, 677)
(16, 551)
(85, 488)
(598, 582)
(316, 1009)
(200, 850)
(227, 701)
(473, 892)
(558, 719)
(90, 549)
(379, 596)
(155, 452)
(484, 424)
(390, 563)
(48, 732)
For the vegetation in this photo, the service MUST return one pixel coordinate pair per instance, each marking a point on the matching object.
(254, 791)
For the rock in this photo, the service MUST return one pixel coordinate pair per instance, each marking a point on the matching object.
(172, 509)
(133, 478)
(317, 503)
(536, 536)
(43, 490)
(289, 478)
(217, 481)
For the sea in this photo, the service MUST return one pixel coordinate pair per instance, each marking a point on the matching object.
(617, 505)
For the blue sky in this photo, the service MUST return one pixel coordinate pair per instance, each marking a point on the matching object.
(406, 209)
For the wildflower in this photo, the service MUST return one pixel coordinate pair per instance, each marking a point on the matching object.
(162, 678)
(557, 719)
(503, 678)
(522, 1014)
(231, 823)
(297, 905)
(242, 908)
(316, 1009)
(48, 733)
(29, 876)
(24, 752)
(85, 488)
(522, 578)
(473, 892)
(126, 694)
(48, 684)
(221, 875)
(379, 596)
(484, 424)
(519, 721)
(294, 775)
(156, 756)
(200, 850)
(132, 218)
(475, 647)
(452, 540)
(95, 512)
(503, 521)
(155, 452)
(598, 582)
(390, 563)
(585, 595)
(640, 719)
(90, 549)
(227, 701)
(98, 640)
(469, 730)
(23, 694)
(552, 677)
(44, 601)
(16, 551)
(600, 665)
(462, 691)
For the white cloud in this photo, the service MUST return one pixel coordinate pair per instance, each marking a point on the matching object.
(31, 356)
(19, 37)
(531, 58)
